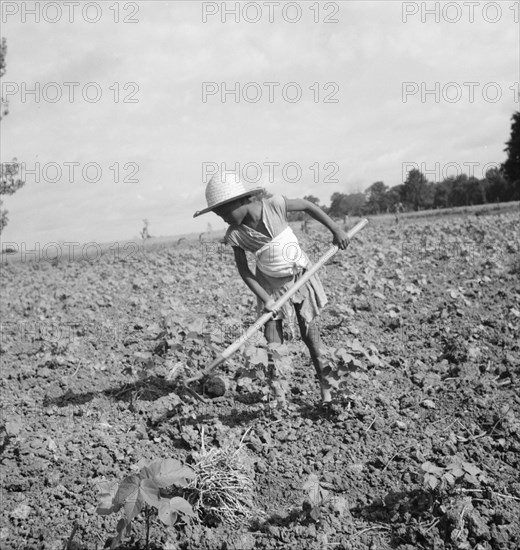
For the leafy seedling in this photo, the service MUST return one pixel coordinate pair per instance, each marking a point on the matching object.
(148, 491)
(316, 496)
(441, 478)
(266, 363)
(344, 364)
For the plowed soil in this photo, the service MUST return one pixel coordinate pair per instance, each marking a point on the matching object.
(91, 385)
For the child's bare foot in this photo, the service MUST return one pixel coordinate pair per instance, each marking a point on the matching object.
(326, 395)
(325, 388)
(278, 403)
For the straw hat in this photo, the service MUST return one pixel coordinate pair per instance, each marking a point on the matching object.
(222, 188)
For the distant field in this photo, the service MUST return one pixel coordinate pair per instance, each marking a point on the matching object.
(477, 210)
(127, 248)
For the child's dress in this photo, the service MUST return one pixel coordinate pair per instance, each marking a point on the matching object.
(279, 260)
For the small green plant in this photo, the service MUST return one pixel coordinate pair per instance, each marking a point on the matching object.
(441, 478)
(348, 363)
(448, 498)
(255, 368)
(148, 491)
(317, 497)
(267, 363)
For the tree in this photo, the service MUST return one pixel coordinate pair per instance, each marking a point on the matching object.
(417, 190)
(355, 204)
(476, 191)
(342, 205)
(511, 167)
(338, 205)
(458, 190)
(496, 186)
(394, 196)
(145, 234)
(9, 182)
(441, 194)
(376, 198)
(3, 52)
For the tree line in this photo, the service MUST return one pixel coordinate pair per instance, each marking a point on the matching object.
(500, 184)
(9, 180)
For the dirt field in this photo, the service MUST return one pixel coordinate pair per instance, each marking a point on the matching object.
(421, 449)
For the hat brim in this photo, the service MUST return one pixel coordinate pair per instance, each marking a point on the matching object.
(210, 208)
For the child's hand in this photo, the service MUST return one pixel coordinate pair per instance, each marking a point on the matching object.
(268, 306)
(341, 239)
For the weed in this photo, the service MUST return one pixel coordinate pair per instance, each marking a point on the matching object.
(223, 485)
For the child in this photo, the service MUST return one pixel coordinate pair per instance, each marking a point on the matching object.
(261, 227)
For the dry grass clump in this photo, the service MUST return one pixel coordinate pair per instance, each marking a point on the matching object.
(224, 483)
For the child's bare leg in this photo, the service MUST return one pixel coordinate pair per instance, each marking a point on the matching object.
(273, 333)
(311, 338)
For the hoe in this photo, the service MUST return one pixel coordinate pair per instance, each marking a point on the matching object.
(261, 321)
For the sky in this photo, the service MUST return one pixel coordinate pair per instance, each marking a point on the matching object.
(135, 104)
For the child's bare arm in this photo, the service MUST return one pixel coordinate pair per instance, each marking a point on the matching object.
(247, 275)
(302, 205)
